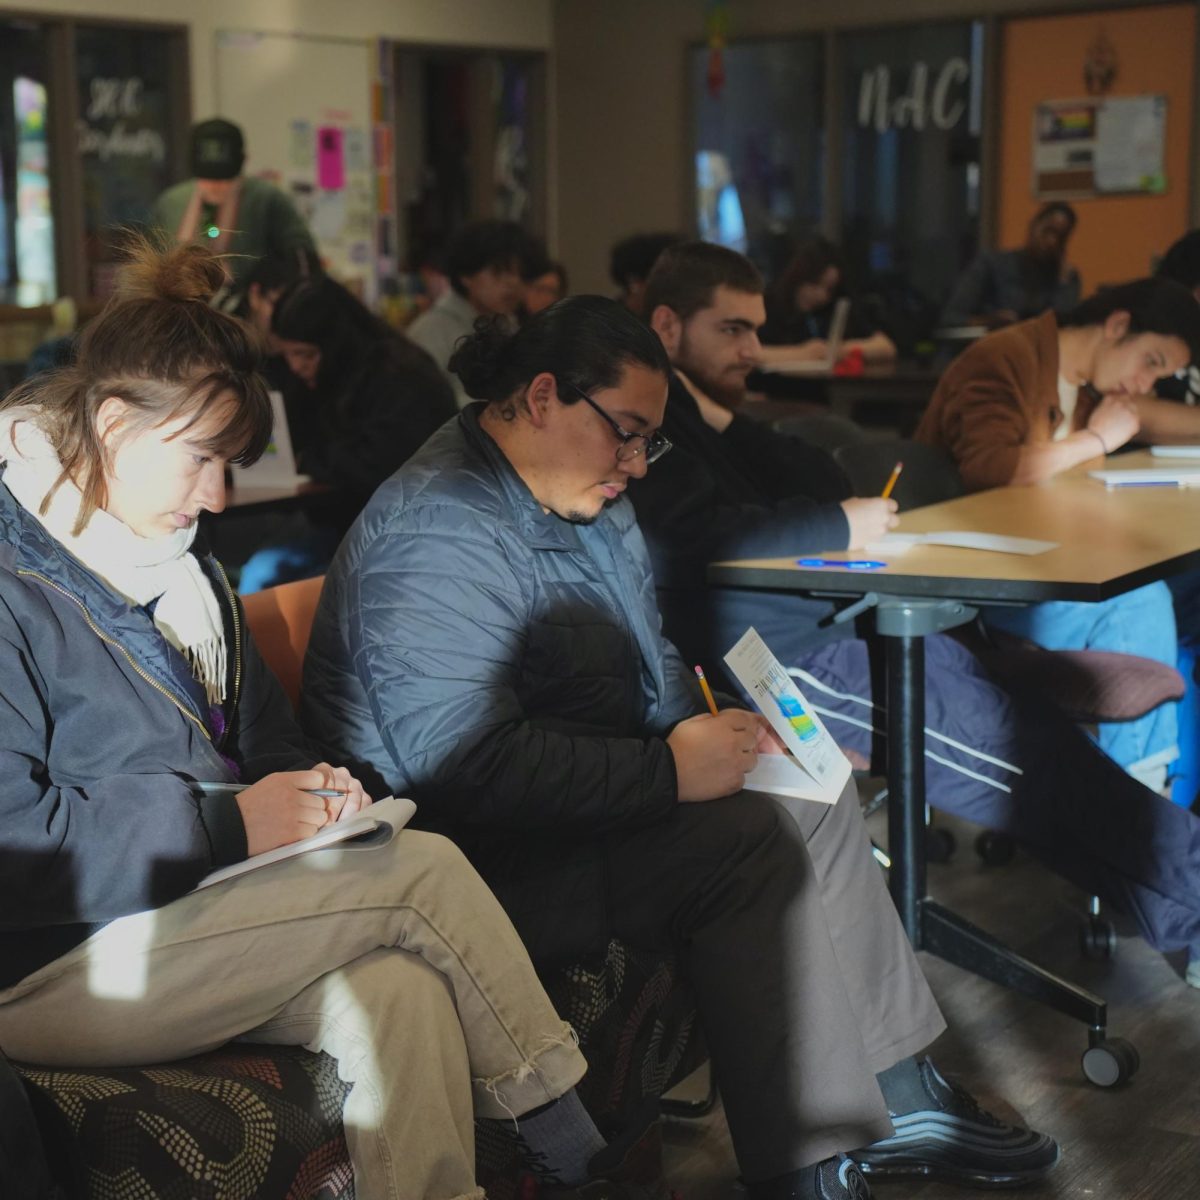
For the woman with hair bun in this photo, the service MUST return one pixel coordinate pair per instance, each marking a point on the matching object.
(127, 678)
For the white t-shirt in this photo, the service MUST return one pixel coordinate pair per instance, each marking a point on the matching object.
(1068, 395)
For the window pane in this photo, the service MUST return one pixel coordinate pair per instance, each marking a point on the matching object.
(512, 199)
(910, 183)
(125, 128)
(759, 145)
(26, 225)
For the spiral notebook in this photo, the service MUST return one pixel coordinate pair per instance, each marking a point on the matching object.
(374, 827)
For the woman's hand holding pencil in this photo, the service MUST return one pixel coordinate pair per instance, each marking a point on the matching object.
(289, 805)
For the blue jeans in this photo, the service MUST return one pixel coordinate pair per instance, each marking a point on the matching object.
(1139, 622)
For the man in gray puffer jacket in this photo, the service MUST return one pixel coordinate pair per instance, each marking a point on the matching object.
(488, 643)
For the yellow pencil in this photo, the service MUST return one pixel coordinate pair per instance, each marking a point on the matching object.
(891, 483)
(712, 704)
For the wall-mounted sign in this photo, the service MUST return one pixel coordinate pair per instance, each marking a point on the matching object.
(928, 97)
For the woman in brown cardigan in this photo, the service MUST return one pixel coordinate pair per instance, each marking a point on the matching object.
(1039, 397)
(1029, 401)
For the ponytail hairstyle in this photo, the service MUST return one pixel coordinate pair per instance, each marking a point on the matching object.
(158, 346)
(585, 342)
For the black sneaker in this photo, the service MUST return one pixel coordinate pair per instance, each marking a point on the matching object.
(836, 1178)
(957, 1141)
(840, 1179)
(628, 1168)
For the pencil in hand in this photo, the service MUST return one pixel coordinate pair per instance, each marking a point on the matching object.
(891, 483)
(712, 704)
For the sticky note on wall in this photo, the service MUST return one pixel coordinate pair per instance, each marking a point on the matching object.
(331, 159)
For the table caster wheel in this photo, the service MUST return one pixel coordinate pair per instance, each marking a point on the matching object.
(940, 844)
(995, 849)
(1110, 1062)
(1097, 938)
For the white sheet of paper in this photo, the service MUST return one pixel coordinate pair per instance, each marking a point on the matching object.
(1175, 451)
(1149, 477)
(783, 775)
(277, 466)
(785, 707)
(898, 543)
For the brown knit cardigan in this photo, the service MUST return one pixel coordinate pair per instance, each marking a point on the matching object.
(999, 395)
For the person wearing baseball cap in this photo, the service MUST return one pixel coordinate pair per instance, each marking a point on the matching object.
(238, 216)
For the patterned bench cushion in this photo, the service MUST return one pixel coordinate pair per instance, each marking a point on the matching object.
(264, 1123)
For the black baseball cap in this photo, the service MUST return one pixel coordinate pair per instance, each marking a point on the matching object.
(218, 150)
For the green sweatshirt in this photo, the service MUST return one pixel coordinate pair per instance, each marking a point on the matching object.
(267, 223)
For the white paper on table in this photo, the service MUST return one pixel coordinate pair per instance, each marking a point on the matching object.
(791, 716)
(1175, 451)
(1165, 476)
(898, 543)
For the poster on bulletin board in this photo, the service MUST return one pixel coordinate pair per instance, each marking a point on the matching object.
(304, 103)
(1113, 145)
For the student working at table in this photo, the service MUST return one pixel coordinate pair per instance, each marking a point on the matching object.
(361, 399)
(1003, 286)
(733, 488)
(800, 309)
(1031, 401)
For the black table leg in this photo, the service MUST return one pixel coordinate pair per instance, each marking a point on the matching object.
(929, 926)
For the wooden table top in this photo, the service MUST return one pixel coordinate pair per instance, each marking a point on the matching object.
(1109, 541)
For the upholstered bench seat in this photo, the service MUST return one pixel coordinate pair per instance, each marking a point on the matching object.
(252, 1122)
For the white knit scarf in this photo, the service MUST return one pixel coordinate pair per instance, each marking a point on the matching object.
(140, 569)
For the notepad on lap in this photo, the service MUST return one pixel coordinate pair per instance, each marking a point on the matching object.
(373, 827)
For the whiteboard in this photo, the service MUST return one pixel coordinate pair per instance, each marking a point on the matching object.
(304, 104)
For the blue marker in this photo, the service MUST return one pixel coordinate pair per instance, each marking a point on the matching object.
(860, 564)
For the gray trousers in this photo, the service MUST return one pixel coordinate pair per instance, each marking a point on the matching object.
(805, 982)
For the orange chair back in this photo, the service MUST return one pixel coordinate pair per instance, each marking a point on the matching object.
(280, 620)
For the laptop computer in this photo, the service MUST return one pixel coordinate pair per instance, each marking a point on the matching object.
(277, 467)
(825, 364)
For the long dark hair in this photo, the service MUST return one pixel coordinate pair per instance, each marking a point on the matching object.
(585, 342)
(810, 262)
(322, 313)
(159, 346)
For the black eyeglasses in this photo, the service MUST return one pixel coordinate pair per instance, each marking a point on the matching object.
(653, 445)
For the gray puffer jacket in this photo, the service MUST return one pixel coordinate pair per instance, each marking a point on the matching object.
(503, 667)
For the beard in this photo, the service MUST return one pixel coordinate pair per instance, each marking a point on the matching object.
(727, 388)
